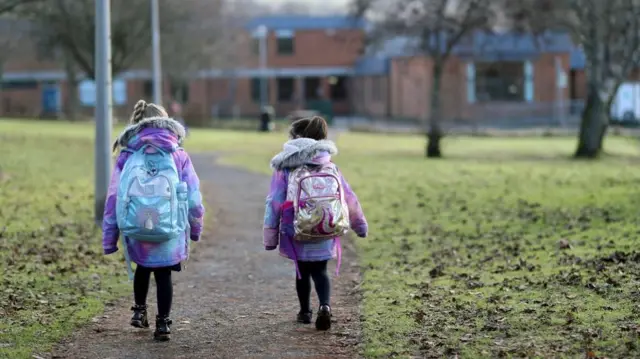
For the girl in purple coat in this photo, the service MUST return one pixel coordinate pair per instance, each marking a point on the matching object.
(150, 124)
(308, 145)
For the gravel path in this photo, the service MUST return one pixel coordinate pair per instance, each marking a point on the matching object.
(234, 300)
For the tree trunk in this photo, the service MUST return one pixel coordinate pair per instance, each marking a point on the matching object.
(3, 110)
(73, 102)
(593, 126)
(609, 104)
(434, 133)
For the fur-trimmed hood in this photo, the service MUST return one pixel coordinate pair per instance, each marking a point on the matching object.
(301, 151)
(132, 131)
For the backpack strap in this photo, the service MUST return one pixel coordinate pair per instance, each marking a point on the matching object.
(294, 254)
(127, 258)
(147, 145)
(158, 149)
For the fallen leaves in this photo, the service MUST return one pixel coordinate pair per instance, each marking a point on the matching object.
(564, 244)
(50, 255)
(438, 271)
(521, 257)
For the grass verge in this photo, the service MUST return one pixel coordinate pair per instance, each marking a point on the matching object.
(53, 272)
(54, 275)
(506, 248)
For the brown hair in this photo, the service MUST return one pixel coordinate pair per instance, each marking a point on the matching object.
(143, 110)
(311, 127)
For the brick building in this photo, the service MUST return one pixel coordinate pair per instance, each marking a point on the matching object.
(487, 77)
(309, 59)
(313, 59)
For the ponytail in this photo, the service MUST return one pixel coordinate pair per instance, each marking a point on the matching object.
(143, 110)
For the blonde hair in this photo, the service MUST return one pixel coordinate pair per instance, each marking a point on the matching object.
(143, 110)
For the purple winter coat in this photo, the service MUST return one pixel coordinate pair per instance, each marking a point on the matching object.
(166, 134)
(278, 219)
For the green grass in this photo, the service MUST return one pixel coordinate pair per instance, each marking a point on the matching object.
(53, 271)
(506, 248)
(54, 275)
(465, 255)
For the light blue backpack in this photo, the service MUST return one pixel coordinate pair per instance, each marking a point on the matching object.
(151, 201)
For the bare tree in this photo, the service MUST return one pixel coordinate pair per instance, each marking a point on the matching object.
(12, 29)
(9, 6)
(12, 32)
(69, 25)
(204, 40)
(609, 34)
(66, 31)
(437, 26)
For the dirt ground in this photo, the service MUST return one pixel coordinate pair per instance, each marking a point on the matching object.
(234, 300)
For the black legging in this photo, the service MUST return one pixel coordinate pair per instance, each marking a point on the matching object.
(317, 271)
(163, 285)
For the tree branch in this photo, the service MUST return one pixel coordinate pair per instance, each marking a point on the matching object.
(7, 6)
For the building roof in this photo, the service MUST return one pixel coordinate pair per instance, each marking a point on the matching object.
(305, 22)
(372, 65)
(482, 46)
(488, 46)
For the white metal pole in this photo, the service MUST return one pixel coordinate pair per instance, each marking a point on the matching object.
(157, 67)
(103, 105)
(263, 67)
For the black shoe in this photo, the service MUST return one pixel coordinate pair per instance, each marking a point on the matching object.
(305, 317)
(163, 329)
(323, 321)
(139, 318)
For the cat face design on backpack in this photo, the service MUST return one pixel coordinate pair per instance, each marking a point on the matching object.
(152, 168)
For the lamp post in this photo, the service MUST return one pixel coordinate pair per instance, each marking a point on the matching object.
(262, 33)
(561, 84)
(103, 105)
(155, 41)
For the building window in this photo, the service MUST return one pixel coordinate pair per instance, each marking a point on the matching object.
(376, 88)
(312, 88)
(255, 46)
(256, 38)
(255, 89)
(87, 92)
(285, 46)
(19, 85)
(180, 91)
(339, 88)
(286, 89)
(285, 42)
(147, 89)
(363, 95)
(500, 81)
